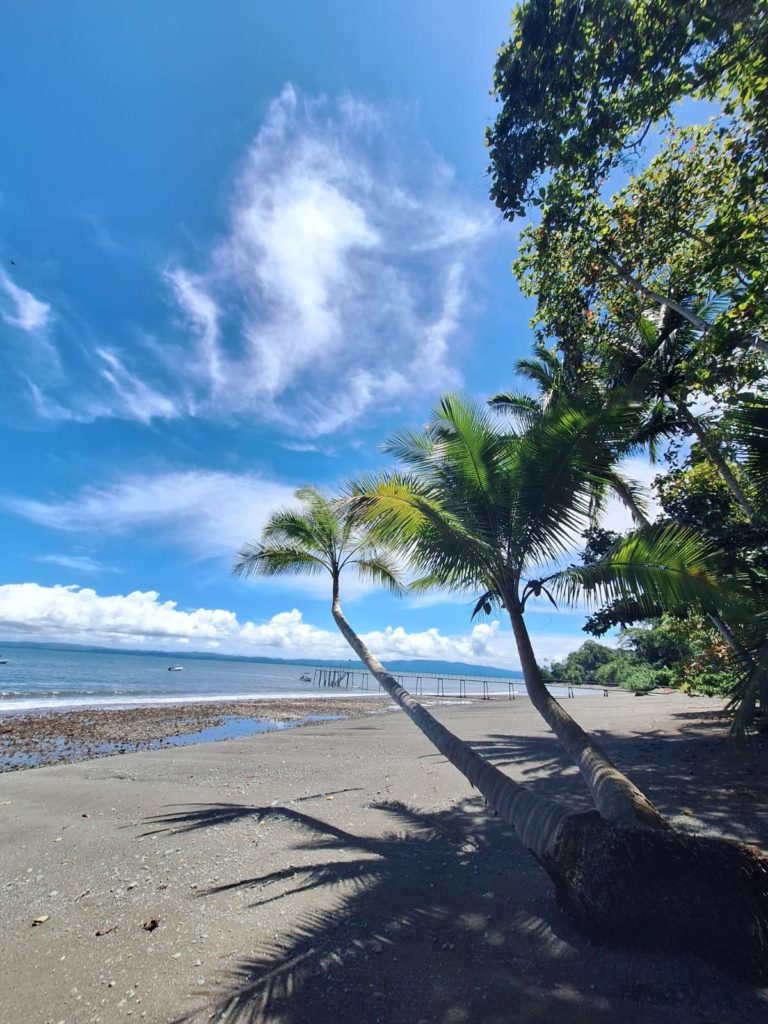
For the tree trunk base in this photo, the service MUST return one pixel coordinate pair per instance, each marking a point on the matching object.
(665, 891)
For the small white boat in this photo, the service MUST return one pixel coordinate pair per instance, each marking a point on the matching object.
(4, 661)
(305, 678)
(175, 668)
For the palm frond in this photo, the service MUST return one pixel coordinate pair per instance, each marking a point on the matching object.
(669, 568)
(382, 571)
(561, 466)
(523, 408)
(750, 426)
(257, 559)
(745, 700)
(407, 514)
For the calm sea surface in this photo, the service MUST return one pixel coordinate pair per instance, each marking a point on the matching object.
(37, 678)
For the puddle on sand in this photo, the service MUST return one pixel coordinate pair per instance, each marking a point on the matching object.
(59, 750)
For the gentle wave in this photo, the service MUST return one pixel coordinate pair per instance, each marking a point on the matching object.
(30, 703)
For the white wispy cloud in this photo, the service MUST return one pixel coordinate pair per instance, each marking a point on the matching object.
(21, 308)
(337, 285)
(341, 280)
(77, 563)
(209, 513)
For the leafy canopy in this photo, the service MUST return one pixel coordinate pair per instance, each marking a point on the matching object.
(582, 81)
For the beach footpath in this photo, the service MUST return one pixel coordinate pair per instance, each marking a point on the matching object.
(344, 872)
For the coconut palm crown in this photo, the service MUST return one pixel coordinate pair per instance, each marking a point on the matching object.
(319, 535)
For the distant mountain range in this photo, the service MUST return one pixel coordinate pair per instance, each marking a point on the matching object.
(428, 667)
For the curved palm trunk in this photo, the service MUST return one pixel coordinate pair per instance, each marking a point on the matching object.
(536, 820)
(649, 888)
(616, 798)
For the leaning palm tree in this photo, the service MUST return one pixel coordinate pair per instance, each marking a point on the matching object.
(490, 512)
(325, 536)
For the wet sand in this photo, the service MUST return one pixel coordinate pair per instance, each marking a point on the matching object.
(29, 740)
(346, 873)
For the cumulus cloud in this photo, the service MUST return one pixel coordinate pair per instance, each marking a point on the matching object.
(75, 614)
(22, 309)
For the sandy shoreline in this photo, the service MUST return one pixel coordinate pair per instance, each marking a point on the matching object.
(34, 739)
(346, 873)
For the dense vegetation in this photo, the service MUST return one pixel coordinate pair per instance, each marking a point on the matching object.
(634, 137)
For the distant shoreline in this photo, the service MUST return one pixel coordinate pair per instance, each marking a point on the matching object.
(425, 666)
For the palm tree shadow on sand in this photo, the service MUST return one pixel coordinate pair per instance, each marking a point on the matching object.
(446, 918)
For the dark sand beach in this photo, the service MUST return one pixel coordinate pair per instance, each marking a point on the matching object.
(32, 739)
(345, 872)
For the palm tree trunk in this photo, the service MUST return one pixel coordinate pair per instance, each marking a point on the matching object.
(649, 888)
(656, 297)
(616, 798)
(536, 820)
(716, 457)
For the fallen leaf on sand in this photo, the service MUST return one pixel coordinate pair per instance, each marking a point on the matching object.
(40, 920)
(150, 924)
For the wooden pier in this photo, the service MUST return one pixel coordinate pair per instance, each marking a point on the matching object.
(463, 687)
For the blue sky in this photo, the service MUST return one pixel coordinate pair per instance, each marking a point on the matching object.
(240, 244)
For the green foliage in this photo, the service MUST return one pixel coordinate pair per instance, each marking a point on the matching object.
(684, 653)
(607, 666)
(582, 81)
(692, 652)
(691, 224)
(581, 84)
(696, 496)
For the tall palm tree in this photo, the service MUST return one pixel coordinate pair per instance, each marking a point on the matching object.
(489, 512)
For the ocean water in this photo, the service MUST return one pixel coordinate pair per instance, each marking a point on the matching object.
(37, 678)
